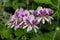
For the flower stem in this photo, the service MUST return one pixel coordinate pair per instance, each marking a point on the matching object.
(58, 13)
(54, 35)
(57, 18)
(27, 1)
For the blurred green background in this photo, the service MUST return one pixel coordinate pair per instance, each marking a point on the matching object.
(46, 31)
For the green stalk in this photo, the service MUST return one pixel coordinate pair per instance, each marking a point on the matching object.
(57, 19)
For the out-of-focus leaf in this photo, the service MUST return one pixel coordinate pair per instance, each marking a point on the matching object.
(42, 1)
(22, 4)
(57, 36)
(6, 33)
(0, 1)
(49, 26)
(17, 38)
(19, 32)
(2, 27)
(6, 3)
(47, 36)
(18, 5)
(4, 17)
(55, 2)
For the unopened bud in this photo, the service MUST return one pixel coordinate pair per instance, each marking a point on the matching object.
(57, 28)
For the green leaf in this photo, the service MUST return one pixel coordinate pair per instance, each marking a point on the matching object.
(18, 5)
(49, 26)
(17, 38)
(2, 27)
(1, 1)
(6, 33)
(55, 2)
(42, 1)
(57, 37)
(19, 32)
(47, 36)
(6, 3)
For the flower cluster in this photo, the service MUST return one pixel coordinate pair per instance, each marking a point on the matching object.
(29, 18)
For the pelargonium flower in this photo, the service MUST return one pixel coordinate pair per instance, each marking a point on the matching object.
(49, 11)
(18, 11)
(34, 12)
(24, 13)
(44, 14)
(15, 21)
(30, 23)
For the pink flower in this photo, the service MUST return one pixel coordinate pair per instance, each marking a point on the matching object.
(24, 13)
(30, 23)
(44, 14)
(16, 20)
(19, 11)
(34, 12)
(44, 11)
(49, 11)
